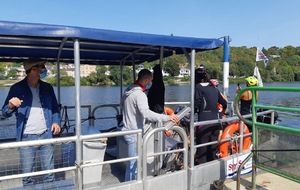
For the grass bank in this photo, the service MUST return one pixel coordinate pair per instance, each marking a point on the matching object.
(8, 82)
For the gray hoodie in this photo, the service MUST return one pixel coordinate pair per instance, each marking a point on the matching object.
(135, 109)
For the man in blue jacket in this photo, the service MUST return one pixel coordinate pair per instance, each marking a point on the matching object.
(34, 103)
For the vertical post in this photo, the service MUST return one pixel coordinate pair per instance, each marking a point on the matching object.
(140, 156)
(254, 138)
(192, 106)
(58, 83)
(78, 116)
(161, 59)
(58, 69)
(159, 143)
(121, 84)
(226, 67)
(133, 67)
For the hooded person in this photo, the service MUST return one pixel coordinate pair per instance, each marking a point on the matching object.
(156, 94)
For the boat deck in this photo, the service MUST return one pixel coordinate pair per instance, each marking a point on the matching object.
(111, 174)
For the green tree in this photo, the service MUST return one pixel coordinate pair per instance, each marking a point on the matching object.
(287, 73)
(115, 75)
(11, 74)
(172, 66)
(102, 78)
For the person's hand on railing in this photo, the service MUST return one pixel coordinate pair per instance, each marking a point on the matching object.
(174, 118)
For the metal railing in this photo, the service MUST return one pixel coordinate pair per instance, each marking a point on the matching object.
(260, 128)
(92, 118)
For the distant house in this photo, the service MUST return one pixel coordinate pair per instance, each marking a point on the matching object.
(183, 72)
(85, 70)
(275, 56)
(140, 67)
(20, 72)
(165, 73)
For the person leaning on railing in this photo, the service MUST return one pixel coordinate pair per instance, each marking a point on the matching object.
(34, 103)
(246, 97)
(136, 111)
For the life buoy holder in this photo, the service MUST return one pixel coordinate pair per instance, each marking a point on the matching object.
(229, 132)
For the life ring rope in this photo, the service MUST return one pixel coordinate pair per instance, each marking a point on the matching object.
(229, 132)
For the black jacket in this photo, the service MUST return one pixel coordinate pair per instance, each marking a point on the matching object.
(206, 100)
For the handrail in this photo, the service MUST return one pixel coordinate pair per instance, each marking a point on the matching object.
(254, 100)
(182, 134)
(79, 163)
(256, 124)
(92, 115)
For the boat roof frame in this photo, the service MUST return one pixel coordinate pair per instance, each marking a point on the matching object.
(55, 43)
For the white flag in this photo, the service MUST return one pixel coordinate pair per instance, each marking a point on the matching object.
(260, 56)
(257, 75)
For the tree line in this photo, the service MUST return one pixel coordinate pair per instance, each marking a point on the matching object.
(283, 66)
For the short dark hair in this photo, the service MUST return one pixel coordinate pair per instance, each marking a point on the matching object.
(200, 75)
(144, 73)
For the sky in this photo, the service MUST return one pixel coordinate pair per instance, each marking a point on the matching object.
(251, 23)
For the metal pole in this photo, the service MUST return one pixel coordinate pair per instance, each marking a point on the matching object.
(78, 116)
(133, 67)
(226, 67)
(121, 85)
(58, 83)
(192, 127)
(254, 138)
(161, 59)
(158, 137)
(58, 70)
(238, 175)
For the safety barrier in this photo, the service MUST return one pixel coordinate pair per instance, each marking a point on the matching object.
(80, 165)
(275, 148)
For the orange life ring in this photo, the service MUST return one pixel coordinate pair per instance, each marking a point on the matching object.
(168, 111)
(220, 107)
(228, 132)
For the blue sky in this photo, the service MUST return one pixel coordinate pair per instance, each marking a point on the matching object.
(264, 23)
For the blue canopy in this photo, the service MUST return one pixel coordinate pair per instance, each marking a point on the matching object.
(18, 41)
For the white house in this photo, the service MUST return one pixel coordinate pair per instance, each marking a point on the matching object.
(184, 72)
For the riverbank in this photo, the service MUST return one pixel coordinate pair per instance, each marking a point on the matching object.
(4, 83)
(7, 83)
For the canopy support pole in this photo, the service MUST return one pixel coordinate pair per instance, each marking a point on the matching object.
(226, 67)
(58, 70)
(78, 163)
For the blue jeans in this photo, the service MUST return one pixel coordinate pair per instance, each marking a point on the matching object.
(28, 162)
(131, 165)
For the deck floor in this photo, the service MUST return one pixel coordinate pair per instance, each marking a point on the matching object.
(111, 174)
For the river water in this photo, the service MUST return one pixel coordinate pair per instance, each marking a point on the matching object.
(105, 95)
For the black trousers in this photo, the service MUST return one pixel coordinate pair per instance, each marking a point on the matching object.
(205, 134)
